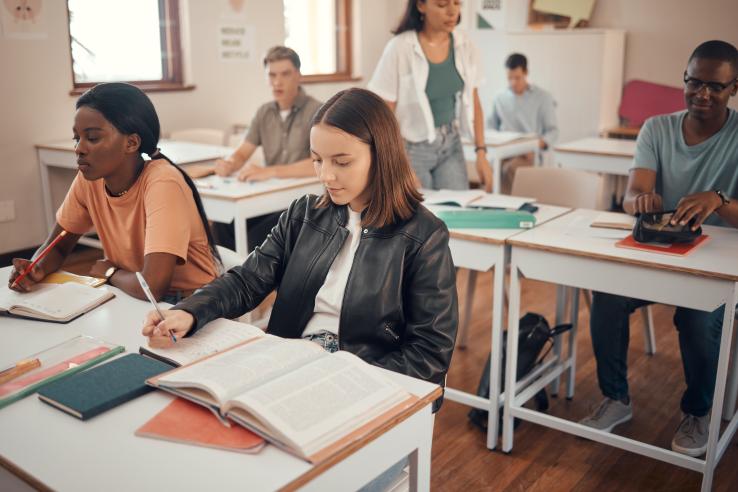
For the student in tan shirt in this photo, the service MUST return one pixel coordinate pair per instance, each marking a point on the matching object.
(147, 214)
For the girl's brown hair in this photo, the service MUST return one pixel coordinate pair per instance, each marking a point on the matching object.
(365, 115)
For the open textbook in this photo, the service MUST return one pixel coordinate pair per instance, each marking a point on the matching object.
(291, 392)
(53, 302)
(474, 199)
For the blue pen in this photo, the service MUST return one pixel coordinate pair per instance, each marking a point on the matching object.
(147, 291)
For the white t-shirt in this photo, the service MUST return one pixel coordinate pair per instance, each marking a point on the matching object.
(328, 301)
(284, 113)
(402, 74)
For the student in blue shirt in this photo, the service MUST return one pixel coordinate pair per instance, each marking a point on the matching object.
(525, 108)
(686, 161)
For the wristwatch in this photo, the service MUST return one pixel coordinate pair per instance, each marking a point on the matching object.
(110, 272)
(722, 196)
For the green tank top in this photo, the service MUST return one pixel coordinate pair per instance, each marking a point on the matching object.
(444, 82)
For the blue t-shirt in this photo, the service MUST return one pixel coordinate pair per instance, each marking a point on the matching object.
(683, 169)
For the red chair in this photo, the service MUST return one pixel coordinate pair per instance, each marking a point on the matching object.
(640, 101)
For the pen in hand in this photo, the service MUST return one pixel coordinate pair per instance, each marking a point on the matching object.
(147, 291)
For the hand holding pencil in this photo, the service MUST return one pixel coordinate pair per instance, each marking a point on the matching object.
(26, 273)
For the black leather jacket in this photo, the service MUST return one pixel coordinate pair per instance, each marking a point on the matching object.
(399, 311)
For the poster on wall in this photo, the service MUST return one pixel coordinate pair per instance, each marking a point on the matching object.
(235, 42)
(490, 14)
(23, 19)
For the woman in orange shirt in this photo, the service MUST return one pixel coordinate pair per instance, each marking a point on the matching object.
(147, 213)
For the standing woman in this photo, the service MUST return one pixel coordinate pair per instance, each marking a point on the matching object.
(429, 74)
(147, 213)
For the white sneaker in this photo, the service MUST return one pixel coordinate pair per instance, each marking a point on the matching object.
(609, 414)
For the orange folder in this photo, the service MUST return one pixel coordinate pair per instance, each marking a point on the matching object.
(185, 422)
(676, 249)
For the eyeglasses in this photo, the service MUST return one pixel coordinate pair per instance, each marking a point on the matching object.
(696, 85)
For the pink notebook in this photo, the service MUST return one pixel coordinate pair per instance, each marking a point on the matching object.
(676, 249)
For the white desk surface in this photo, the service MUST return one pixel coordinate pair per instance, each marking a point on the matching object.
(600, 146)
(571, 234)
(499, 236)
(178, 151)
(64, 453)
(232, 189)
(494, 138)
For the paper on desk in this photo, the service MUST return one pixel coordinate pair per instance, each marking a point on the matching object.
(494, 200)
(614, 220)
(492, 137)
(580, 227)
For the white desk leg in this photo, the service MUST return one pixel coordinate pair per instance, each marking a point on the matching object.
(513, 326)
(717, 400)
(498, 293)
(46, 192)
(574, 319)
(420, 459)
(242, 243)
(496, 173)
(732, 391)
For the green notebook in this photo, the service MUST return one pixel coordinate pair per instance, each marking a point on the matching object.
(487, 219)
(99, 389)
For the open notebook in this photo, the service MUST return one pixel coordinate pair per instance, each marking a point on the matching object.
(59, 303)
(291, 392)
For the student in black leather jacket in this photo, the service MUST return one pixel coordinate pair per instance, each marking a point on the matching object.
(365, 267)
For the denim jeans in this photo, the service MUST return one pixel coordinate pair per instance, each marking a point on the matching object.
(440, 164)
(699, 342)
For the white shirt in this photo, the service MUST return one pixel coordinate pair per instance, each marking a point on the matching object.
(402, 74)
(328, 301)
(284, 113)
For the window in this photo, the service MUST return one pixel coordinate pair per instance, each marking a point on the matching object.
(320, 32)
(134, 41)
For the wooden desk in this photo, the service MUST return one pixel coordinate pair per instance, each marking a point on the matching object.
(566, 251)
(497, 151)
(601, 155)
(52, 450)
(480, 250)
(227, 199)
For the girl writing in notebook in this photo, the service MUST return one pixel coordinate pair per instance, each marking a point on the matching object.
(364, 268)
(147, 213)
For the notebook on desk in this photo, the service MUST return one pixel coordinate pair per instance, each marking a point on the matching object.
(675, 249)
(59, 303)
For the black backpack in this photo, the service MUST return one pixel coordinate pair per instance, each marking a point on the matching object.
(533, 335)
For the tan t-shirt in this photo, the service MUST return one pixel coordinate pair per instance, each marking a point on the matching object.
(157, 215)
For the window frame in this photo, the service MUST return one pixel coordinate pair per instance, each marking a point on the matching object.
(172, 66)
(344, 49)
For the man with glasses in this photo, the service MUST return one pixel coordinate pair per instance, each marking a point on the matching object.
(685, 161)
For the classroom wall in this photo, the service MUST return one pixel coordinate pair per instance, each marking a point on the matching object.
(36, 105)
(661, 34)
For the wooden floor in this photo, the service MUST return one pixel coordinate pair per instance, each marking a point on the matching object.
(548, 460)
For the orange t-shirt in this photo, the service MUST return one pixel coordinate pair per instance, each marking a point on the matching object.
(157, 215)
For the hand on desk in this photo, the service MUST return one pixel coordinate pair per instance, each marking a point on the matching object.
(100, 268)
(648, 202)
(698, 207)
(175, 321)
(253, 172)
(26, 283)
(224, 167)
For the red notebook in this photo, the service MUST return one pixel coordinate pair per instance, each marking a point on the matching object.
(185, 422)
(676, 249)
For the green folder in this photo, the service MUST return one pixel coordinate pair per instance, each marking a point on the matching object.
(487, 219)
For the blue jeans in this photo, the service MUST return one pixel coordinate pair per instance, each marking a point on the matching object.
(699, 342)
(329, 342)
(440, 164)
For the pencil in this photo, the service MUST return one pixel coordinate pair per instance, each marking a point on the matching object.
(38, 258)
(21, 367)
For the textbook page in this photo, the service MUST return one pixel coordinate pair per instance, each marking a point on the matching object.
(234, 371)
(56, 302)
(461, 198)
(322, 401)
(214, 337)
(507, 202)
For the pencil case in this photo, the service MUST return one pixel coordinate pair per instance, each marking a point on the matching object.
(654, 227)
(487, 219)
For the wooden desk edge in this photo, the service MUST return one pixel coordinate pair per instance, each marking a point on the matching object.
(595, 152)
(357, 445)
(628, 261)
(23, 475)
(208, 193)
(477, 239)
